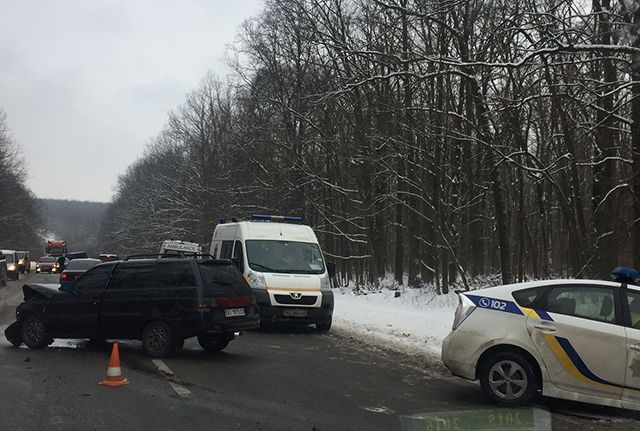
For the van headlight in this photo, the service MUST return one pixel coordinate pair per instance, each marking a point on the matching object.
(11, 267)
(325, 283)
(256, 280)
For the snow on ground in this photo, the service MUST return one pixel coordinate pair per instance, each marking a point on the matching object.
(416, 322)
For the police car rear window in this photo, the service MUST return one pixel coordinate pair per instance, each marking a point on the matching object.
(528, 297)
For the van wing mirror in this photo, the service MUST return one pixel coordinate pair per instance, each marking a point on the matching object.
(331, 269)
(238, 263)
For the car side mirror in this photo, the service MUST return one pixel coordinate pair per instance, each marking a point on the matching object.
(331, 269)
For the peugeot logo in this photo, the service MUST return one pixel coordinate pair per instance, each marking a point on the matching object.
(296, 295)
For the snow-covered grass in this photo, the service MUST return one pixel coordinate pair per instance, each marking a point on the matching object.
(416, 322)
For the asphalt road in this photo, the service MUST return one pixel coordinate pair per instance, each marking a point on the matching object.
(286, 379)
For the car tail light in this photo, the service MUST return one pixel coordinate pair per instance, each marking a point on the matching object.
(233, 301)
(64, 277)
(465, 307)
(225, 302)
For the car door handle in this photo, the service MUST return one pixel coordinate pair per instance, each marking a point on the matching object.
(635, 347)
(545, 327)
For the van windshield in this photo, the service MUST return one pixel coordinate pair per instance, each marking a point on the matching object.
(284, 256)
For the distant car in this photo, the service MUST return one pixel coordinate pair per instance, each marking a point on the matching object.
(24, 261)
(159, 301)
(572, 339)
(75, 268)
(46, 264)
(12, 264)
(76, 255)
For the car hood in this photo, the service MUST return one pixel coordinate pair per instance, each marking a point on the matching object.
(44, 290)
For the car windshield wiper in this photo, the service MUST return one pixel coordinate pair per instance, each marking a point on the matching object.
(266, 268)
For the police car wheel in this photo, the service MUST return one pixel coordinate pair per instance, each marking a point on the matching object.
(157, 339)
(509, 378)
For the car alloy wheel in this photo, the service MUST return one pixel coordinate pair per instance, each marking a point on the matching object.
(34, 334)
(157, 339)
(508, 380)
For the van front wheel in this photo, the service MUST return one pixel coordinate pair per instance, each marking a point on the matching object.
(323, 326)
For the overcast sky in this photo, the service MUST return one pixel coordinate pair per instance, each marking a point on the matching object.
(87, 84)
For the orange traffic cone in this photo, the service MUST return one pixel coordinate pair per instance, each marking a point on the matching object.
(114, 373)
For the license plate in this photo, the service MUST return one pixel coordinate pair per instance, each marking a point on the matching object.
(294, 313)
(233, 312)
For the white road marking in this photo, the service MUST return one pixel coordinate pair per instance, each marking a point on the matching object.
(172, 379)
(382, 409)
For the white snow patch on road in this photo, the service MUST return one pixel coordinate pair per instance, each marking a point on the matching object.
(68, 343)
(415, 323)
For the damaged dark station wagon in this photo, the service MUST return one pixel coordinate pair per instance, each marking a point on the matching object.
(161, 301)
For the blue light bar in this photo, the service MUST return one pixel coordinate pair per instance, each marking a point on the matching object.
(625, 275)
(276, 218)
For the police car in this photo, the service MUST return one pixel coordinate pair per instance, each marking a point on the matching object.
(572, 339)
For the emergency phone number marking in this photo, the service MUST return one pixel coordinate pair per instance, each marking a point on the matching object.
(492, 303)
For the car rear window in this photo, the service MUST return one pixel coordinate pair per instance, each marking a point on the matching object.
(528, 297)
(222, 280)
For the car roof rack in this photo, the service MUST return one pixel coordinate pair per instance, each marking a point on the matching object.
(165, 256)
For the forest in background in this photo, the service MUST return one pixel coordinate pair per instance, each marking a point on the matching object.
(20, 219)
(76, 222)
(434, 140)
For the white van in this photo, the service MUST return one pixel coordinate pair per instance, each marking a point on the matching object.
(11, 259)
(284, 265)
(185, 248)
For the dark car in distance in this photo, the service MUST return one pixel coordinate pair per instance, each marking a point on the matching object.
(161, 301)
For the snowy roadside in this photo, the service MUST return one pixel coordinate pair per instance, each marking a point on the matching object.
(414, 323)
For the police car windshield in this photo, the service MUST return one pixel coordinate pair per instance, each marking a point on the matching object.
(284, 257)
